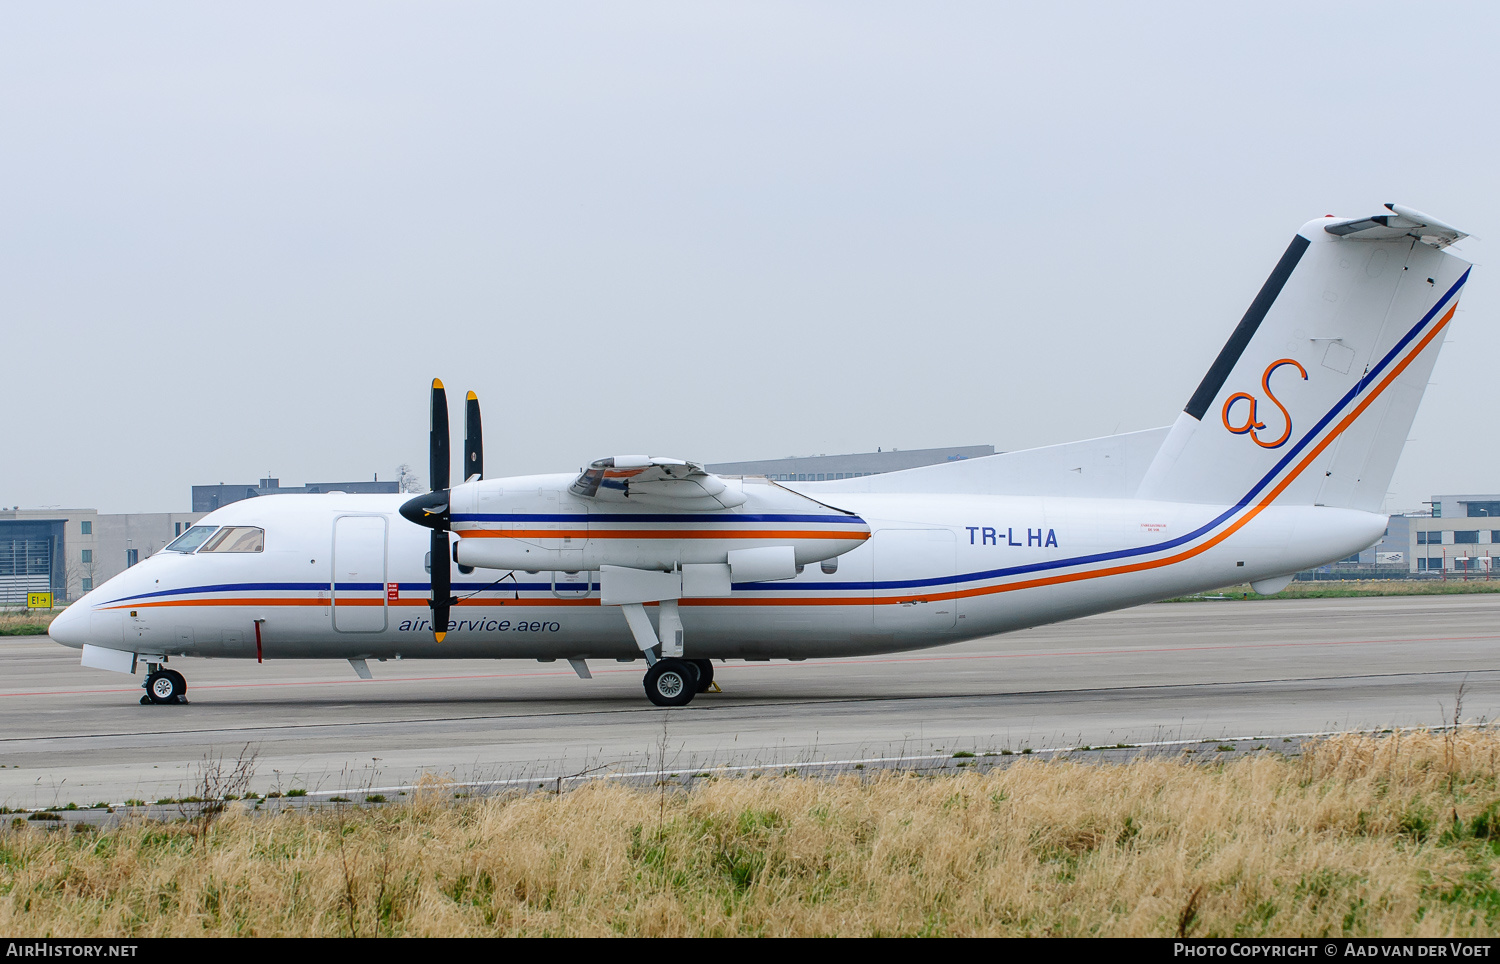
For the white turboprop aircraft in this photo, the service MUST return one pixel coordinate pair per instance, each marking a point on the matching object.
(1279, 462)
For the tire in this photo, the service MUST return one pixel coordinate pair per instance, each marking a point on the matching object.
(179, 679)
(705, 673)
(161, 687)
(671, 682)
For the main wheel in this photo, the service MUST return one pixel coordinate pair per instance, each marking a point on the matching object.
(705, 673)
(671, 682)
(161, 687)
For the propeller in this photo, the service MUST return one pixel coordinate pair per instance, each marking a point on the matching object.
(473, 440)
(433, 509)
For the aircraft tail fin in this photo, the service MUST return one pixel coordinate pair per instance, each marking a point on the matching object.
(1311, 399)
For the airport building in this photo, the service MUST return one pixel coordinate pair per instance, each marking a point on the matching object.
(1461, 535)
(68, 552)
(820, 468)
(207, 498)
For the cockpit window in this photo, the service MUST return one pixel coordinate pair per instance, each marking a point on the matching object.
(236, 539)
(191, 539)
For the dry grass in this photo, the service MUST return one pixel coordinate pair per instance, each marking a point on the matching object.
(1360, 836)
(26, 622)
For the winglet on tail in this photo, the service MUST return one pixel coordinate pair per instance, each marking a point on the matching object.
(1311, 399)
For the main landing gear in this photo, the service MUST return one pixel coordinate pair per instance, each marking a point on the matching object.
(671, 680)
(164, 686)
(674, 681)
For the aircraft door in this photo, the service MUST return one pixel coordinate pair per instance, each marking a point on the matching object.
(911, 564)
(358, 583)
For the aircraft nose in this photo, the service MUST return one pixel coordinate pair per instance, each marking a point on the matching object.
(70, 628)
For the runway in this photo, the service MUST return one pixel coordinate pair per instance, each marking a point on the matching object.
(1207, 670)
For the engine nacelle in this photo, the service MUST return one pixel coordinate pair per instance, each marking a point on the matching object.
(538, 524)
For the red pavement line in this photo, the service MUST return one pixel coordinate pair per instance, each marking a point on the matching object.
(757, 664)
(308, 682)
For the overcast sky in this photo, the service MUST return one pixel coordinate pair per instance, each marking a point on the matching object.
(240, 239)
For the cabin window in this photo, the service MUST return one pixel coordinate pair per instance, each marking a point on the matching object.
(236, 539)
(191, 539)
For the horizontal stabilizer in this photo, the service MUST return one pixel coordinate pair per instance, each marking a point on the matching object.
(1402, 222)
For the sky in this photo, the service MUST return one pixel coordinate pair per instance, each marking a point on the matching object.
(241, 239)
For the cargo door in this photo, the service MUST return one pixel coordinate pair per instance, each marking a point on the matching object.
(358, 583)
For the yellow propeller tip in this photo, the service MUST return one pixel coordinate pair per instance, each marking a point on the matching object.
(437, 383)
(473, 397)
(439, 636)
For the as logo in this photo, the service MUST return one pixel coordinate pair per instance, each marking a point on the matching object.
(1252, 424)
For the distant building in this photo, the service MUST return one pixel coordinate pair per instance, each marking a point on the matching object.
(1462, 535)
(68, 552)
(207, 498)
(820, 468)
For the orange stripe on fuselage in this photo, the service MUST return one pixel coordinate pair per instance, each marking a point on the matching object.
(661, 534)
(347, 601)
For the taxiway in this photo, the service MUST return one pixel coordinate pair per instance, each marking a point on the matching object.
(1207, 670)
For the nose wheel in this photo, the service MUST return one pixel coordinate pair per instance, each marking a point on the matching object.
(165, 686)
(672, 682)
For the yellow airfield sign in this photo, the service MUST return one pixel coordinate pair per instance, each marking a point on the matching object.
(39, 600)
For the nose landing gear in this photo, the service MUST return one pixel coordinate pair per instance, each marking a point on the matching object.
(164, 686)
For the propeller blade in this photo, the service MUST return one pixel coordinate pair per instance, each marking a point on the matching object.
(438, 448)
(442, 583)
(473, 440)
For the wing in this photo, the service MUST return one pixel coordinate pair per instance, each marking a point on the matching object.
(650, 480)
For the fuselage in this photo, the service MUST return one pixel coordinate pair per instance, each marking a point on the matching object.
(345, 576)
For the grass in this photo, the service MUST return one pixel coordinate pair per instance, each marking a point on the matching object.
(1358, 836)
(27, 622)
(1339, 589)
